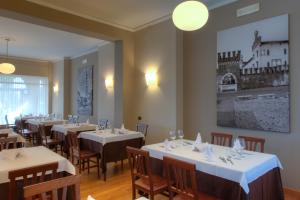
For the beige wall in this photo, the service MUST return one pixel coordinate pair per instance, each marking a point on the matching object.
(156, 47)
(58, 79)
(200, 81)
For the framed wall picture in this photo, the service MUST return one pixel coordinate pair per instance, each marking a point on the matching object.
(253, 76)
(85, 91)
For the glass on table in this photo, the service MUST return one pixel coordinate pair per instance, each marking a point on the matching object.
(172, 135)
(180, 134)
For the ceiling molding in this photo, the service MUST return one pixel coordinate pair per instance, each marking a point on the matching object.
(131, 29)
(96, 19)
(92, 50)
(25, 59)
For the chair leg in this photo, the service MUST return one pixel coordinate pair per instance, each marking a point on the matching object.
(122, 164)
(88, 165)
(79, 166)
(133, 192)
(98, 167)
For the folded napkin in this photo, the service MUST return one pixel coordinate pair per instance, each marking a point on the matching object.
(208, 152)
(237, 145)
(122, 127)
(90, 198)
(88, 121)
(198, 142)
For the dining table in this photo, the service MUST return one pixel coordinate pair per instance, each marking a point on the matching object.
(111, 144)
(61, 130)
(14, 159)
(225, 173)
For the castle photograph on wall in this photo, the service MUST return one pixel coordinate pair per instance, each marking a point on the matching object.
(253, 76)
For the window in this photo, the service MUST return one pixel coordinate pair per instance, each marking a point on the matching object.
(22, 95)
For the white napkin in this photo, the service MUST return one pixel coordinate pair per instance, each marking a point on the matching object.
(88, 121)
(122, 127)
(198, 142)
(208, 152)
(90, 198)
(237, 145)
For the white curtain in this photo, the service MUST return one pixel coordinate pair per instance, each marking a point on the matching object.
(22, 95)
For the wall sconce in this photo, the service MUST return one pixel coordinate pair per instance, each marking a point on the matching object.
(151, 78)
(109, 83)
(55, 88)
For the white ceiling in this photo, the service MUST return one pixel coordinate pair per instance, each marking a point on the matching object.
(131, 15)
(38, 42)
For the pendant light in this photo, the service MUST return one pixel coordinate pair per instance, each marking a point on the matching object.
(6, 67)
(190, 15)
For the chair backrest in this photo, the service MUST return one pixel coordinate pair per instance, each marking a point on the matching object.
(139, 162)
(6, 143)
(142, 128)
(49, 190)
(222, 139)
(102, 124)
(181, 177)
(30, 175)
(73, 142)
(3, 135)
(251, 143)
(6, 120)
(42, 135)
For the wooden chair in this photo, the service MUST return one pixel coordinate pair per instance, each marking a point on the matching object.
(222, 139)
(141, 174)
(102, 124)
(82, 156)
(3, 135)
(24, 131)
(29, 176)
(49, 142)
(49, 190)
(142, 128)
(251, 143)
(181, 178)
(6, 143)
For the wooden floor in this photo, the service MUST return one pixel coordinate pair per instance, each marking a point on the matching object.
(118, 185)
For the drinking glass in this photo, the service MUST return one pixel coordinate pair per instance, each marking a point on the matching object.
(172, 135)
(180, 134)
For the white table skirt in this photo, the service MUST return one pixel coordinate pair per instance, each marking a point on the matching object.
(64, 128)
(243, 170)
(45, 122)
(30, 157)
(106, 136)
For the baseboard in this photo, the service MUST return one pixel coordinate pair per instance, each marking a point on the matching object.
(292, 193)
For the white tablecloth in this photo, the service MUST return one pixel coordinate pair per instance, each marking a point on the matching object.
(45, 122)
(64, 128)
(243, 170)
(106, 136)
(30, 157)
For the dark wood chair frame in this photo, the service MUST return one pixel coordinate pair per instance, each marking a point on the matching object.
(251, 143)
(139, 162)
(49, 190)
(49, 142)
(6, 143)
(82, 156)
(181, 177)
(30, 175)
(222, 139)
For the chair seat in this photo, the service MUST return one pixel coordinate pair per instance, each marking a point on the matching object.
(158, 183)
(202, 196)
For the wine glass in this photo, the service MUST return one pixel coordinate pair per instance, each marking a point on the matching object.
(180, 134)
(172, 135)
